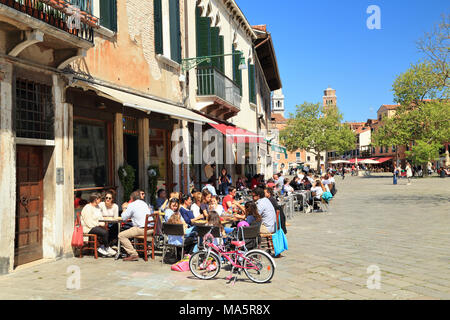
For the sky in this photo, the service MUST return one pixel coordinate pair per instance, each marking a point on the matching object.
(327, 43)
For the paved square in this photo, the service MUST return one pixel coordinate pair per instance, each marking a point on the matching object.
(402, 230)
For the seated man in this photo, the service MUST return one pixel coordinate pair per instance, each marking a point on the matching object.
(136, 211)
(161, 198)
(209, 185)
(265, 210)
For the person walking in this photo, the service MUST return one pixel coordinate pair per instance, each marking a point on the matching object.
(395, 174)
(408, 173)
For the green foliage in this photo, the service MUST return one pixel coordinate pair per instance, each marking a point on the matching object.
(419, 119)
(153, 183)
(317, 129)
(126, 177)
(419, 82)
(422, 152)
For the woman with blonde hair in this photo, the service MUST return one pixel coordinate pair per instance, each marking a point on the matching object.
(197, 201)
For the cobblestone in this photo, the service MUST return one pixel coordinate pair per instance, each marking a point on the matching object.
(404, 230)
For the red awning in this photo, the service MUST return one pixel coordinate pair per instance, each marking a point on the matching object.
(237, 135)
(381, 160)
(359, 159)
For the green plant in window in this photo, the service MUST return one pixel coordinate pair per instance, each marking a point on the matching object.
(126, 177)
(153, 176)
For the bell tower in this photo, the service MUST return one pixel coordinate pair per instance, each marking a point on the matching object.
(278, 102)
(329, 97)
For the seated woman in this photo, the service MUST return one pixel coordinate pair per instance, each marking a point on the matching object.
(186, 214)
(111, 210)
(287, 188)
(317, 191)
(90, 216)
(206, 200)
(215, 206)
(249, 214)
(306, 183)
(173, 195)
(172, 207)
(197, 202)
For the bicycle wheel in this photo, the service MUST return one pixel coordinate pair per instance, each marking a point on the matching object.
(259, 266)
(203, 266)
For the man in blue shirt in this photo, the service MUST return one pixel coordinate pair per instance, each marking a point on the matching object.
(210, 187)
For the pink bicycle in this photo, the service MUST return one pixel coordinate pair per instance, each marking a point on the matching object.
(206, 264)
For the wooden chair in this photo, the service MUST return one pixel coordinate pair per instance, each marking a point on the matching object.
(141, 243)
(266, 238)
(92, 241)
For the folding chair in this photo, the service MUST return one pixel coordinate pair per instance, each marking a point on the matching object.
(172, 230)
(266, 239)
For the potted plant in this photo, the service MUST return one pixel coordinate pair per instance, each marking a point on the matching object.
(126, 176)
(153, 176)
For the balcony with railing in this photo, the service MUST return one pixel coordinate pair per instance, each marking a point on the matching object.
(217, 94)
(69, 16)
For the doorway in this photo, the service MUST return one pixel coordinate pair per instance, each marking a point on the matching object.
(29, 205)
(131, 155)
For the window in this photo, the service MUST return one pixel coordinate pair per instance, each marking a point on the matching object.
(393, 149)
(251, 83)
(158, 155)
(167, 31)
(297, 156)
(90, 154)
(308, 158)
(237, 74)
(381, 149)
(278, 156)
(108, 14)
(34, 110)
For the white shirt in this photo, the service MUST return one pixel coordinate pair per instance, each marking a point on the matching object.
(136, 211)
(326, 181)
(109, 212)
(195, 209)
(288, 188)
(300, 176)
(219, 209)
(318, 191)
(332, 180)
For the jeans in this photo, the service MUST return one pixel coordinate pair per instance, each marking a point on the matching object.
(102, 234)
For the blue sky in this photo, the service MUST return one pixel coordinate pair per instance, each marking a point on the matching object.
(327, 43)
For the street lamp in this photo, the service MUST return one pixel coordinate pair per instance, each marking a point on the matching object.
(189, 63)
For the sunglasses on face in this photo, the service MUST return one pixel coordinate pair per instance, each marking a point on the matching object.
(108, 198)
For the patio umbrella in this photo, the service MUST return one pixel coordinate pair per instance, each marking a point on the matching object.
(369, 161)
(339, 161)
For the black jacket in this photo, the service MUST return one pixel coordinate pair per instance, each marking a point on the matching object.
(282, 216)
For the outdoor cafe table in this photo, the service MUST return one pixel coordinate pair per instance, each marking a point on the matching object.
(119, 221)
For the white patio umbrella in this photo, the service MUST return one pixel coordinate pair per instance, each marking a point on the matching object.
(368, 161)
(339, 161)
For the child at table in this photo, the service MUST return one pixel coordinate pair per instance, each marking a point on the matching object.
(214, 221)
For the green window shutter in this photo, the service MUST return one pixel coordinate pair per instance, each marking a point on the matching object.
(108, 14)
(203, 36)
(157, 22)
(251, 83)
(221, 51)
(175, 37)
(215, 47)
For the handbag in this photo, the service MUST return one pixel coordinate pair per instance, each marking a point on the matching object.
(77, 237)
(279, 241)
(327, 196)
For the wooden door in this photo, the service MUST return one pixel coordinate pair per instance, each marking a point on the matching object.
(29, 207)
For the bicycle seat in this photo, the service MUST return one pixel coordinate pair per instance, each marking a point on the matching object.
(238, 244)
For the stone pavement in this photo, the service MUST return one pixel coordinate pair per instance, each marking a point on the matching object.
(404, 231)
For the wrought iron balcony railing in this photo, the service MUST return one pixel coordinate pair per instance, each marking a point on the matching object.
(212, 82)
(72, 16)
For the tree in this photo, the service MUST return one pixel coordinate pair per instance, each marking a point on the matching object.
(423, 94)
(316, 129)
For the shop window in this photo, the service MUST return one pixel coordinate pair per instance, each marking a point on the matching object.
(90, 153)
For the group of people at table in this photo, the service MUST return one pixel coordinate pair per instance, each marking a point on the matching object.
(198, 208)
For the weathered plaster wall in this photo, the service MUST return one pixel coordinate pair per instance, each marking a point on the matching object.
(128, 59)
